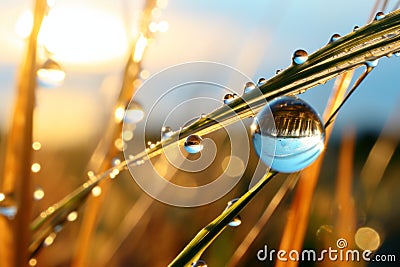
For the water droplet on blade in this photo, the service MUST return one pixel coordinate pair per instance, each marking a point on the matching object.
(249, 86)
(299, 57)
(334, 38)
(355, 28)
(166, 132)
(193, 144)
(290, 138)
(199, 263)
(372, 63)
(379, 15)
(261, 81)
(228, 98)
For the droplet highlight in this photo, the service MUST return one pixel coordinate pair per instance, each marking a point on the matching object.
(199, 263)
(288, 134)
(237, 220)
(249, 86)
(134, 113)
(193, 144)
(299, 57)
(38, 193)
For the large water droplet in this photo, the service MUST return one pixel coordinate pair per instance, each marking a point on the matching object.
(199, 263)
(237, 220)
(379, 15)
(50, 74)
(166, 132)
(228, 98)
(299, 57)
(334, 38)
(8, 207)
(193, 144)
(372, 63)
(292, 138)
(249, 86)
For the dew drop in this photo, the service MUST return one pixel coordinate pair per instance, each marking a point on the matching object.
(49, 240)
(396, 54)
(199, 263)
(36, 146)
(228, 98)
(8, 206)
(278, 71)
(379, 15)
(115, 161)
(334, 38)
(249, 86)
(355, 28)
(261, 81)
(237, 220)
(299, 57)
(166, 132)
(134, 113)
(372, 63)
(50, 74)
(38, 194)
(96, 191)
(72, 216)
(193, 144)
(291, 138)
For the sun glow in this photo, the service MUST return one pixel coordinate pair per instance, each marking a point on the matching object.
(83, 35)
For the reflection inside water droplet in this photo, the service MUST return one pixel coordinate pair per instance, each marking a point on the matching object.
(228, 98)
(299, 57)
(193, 144)
(199, 263)
(290, 138)
(379, 15)
(261, 81)
(334, 38)
(166, 132)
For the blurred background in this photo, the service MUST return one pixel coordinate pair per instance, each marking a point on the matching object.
(91, 40)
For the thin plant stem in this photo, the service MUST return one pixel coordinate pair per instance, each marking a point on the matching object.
(106, 149)
(15, 235)
(288, 185)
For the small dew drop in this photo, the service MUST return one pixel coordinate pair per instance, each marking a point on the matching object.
(96, 191)
(38, 194)
(8, 206)
(278, 71)
(115, 161)
(166, 132)
(193, 144)
(36, 146)
(249, 86)
(299, 57)
(228, 98)
(396, 54)
(355, 28)
(372, 63)
(50, 74)
(237, 220)
(261, 81)
(72, 216)
(35, 167)
(32, 262)
(199, 263)
(288, 135)
(334, 38)
(379, 15)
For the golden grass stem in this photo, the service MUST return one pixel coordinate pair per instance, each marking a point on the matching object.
(106, 149)
(294, 231)
(15, 234)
